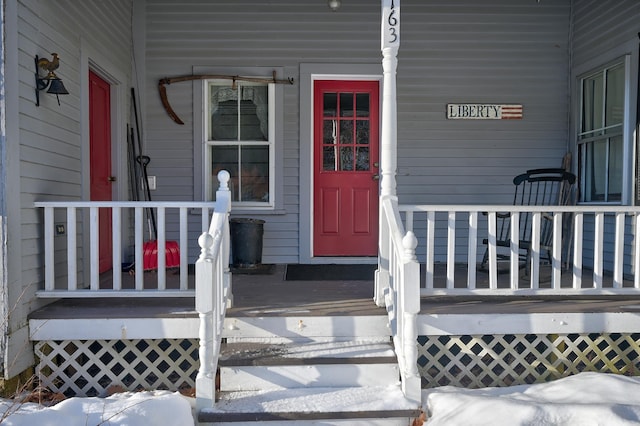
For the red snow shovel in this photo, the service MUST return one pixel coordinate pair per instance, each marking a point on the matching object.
(150, 248)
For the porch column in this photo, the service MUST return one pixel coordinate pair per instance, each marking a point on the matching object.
(390, 44)
(390, 40)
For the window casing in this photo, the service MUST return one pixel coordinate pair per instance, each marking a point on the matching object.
(239, 122)
(601, 134)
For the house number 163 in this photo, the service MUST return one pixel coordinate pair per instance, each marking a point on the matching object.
(391, 23)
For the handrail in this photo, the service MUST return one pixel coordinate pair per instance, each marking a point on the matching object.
(213, 292)
(399, 287)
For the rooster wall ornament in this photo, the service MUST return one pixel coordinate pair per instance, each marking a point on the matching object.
(51, 80)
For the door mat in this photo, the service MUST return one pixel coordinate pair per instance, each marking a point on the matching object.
(297, 272)
(257, 269)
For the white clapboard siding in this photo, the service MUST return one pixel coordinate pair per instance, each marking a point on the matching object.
(498, 51)
(50, 160)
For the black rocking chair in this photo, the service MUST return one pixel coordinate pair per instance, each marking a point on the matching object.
(538, 187)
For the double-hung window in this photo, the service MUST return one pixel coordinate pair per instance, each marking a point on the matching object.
(239, 129)
(601, 134)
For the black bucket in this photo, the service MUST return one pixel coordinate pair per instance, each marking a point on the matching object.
(246, 242)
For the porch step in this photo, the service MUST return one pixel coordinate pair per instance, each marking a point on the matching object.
(348, 382)
(373, 405)
(292, 326)
(260, 366)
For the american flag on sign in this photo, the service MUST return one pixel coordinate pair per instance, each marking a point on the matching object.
(511, 112)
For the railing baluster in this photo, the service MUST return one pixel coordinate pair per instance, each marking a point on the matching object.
(534, 274)
(72, 250)
(139, 243)
(491, 246)
(514, 247)
(162, 249)
(598, 251)
(430, 255)
(184, 266)
(94, 266)
(618, 251)
(472, 250)
(116, 224)
(49, 261)
(451, 249)
(556, 256)
(578, 236)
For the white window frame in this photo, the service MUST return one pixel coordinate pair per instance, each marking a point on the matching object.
(210, 185)
(627, 148)
(203, 186)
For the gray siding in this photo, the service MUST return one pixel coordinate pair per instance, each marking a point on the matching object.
(53, 149)
(603, 26)
(497, 51)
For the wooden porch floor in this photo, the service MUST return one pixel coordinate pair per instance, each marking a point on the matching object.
(271, 295)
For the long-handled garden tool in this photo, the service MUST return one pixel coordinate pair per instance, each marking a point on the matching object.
(150, 248)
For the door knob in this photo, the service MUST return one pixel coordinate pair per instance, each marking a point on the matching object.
(375, 177)
(111, 179)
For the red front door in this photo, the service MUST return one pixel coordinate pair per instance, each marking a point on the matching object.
(346, 148)
(100, 161)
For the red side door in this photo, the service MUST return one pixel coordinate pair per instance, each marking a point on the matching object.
(346, 149)
(100, 161)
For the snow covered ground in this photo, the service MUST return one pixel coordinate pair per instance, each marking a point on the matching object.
(585, 399)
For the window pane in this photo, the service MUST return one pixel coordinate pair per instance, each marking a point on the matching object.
(346, 132)
(226, 157)
(615, 96)
(254, 113)
(248, 167)
(592, 103)
(615, 169)
(329, 159)
(254, 177)
(249, 114)
(223, 104)
(362, 132)
(329, 132)
(596, 171)
(346, 158)
(330, 102)
(346, 104)
(362, 105)
(362, 158)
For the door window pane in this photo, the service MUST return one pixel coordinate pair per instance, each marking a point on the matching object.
(346, 132)
(330, 102)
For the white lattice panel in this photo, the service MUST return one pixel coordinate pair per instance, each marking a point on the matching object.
(504, 360)
(90, 367)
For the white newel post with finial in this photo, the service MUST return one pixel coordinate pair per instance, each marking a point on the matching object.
(213, 292)
(390, 36)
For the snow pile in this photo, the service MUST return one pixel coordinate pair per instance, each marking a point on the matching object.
(128, 408)
(583, 399)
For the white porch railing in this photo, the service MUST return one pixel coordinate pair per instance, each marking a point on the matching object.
(71, 269)
(396, 279)
(594, 251)
(213, 293)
